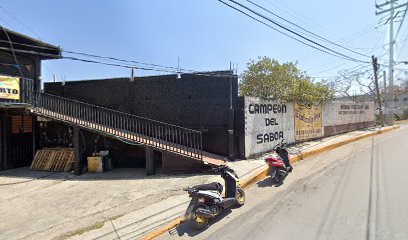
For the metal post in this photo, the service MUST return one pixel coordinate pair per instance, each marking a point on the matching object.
(231, 149)
(77, 152)
(150, 170)
(391, 66)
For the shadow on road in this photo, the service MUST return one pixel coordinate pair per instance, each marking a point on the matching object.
(186, 228)
(269, 182)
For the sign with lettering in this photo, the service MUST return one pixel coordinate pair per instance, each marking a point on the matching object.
(266, 124)
(346, 112)
(308, 121)
(9, 88)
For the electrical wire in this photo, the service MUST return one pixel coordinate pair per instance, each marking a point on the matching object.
(300, 27)
(297, 15)
(120, 60)
(402, 22)
(13, 51)
(294, 38)
(154, 67)
(15, 18)
(334, 53)
(191, 72)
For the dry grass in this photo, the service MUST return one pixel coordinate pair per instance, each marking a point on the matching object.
(402, 121)
(89, 228)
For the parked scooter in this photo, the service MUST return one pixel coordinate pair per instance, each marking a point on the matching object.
(207, 200)
(279, 167)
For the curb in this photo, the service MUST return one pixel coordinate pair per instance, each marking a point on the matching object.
(263, 173)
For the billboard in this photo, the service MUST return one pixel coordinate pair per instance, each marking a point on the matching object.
(308, 121)
(9, 88)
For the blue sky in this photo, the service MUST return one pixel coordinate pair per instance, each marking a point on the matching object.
(205, 34)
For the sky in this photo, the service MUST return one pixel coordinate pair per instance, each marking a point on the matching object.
(204, 34)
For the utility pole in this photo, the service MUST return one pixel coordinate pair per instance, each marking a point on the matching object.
(391, 10)
(375, 68)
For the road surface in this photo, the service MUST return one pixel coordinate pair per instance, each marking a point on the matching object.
(357, 191)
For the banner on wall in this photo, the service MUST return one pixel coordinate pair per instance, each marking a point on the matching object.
(308, 121)
(9, 88)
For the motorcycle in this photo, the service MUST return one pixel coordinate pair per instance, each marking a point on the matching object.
(279, 167)
(207, 200)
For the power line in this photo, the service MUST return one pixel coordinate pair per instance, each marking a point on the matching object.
(356, 34)
(12, 51)
(198, 73)
(403, 45)
(402, 22)
(15, 18)
(307, 44)
(298, 16)
(300, 27)
(153, 67)
(338, 54)
(117, 59)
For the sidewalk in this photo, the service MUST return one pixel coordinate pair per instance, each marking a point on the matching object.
(121, 203)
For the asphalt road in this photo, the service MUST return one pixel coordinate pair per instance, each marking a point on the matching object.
(357, 191)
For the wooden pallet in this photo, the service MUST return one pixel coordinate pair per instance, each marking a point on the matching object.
(54, 160)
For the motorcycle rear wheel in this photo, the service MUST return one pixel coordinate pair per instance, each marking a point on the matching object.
(199, 222)
(240, 199)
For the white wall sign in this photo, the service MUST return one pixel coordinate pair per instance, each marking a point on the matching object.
(346, 112)
(266, 124)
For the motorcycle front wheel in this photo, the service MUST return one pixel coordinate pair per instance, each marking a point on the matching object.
(240, 199)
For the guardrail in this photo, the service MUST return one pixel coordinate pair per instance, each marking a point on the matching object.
(160, 135)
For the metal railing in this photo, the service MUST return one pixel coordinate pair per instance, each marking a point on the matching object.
(167, 137)
(26, 91)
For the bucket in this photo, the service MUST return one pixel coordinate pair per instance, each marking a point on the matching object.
(95, 164)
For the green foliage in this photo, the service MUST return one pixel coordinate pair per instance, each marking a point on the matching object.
(267, 79)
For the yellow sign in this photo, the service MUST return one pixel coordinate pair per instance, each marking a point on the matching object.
(308, 121)
(9, 88)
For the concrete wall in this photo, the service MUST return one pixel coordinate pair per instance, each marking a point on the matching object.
(268, 122)
(343, 116)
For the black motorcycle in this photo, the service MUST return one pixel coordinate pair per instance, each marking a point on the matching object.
(207, 200)
(279, 167)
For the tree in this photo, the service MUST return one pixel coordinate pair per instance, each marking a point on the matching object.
(349, 83)
(267, 79)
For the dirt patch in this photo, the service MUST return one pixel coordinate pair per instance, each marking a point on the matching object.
(88, 228)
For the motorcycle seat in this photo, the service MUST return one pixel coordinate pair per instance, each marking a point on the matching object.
(214, 186)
